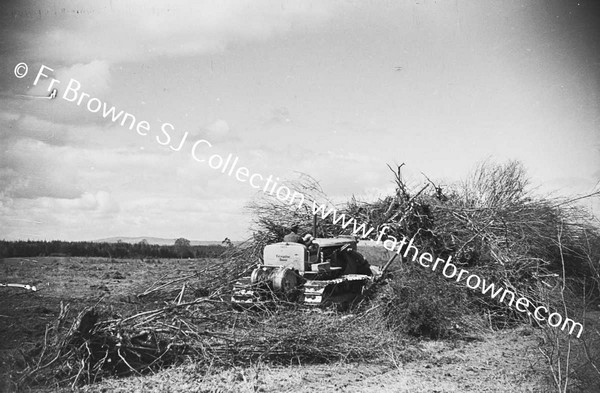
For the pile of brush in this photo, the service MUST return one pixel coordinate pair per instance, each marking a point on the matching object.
(493, 225)
(206, 331)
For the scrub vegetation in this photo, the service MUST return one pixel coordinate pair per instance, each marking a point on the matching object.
(161, 325)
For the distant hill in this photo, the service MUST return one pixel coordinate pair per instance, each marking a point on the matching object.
(156, 240)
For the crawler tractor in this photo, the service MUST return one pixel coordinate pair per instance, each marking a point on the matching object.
(324, 272)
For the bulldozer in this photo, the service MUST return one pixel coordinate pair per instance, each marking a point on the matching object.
(326, 271)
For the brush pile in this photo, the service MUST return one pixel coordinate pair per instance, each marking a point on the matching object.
(494, 226)
(205, 331)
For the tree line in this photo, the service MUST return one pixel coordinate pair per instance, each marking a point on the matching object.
(37, 248)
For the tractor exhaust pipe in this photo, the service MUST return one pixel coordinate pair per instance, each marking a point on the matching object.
(314, 228)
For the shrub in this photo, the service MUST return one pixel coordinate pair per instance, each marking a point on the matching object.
(420, 304)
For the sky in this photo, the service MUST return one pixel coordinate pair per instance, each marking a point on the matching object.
(333, 89)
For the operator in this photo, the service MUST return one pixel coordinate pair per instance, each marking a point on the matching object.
(307, 240)
(312, 247)
(293, 236)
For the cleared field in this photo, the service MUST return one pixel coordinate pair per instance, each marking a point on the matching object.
(79, 282)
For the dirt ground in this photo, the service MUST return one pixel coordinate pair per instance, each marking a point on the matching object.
(506, 361)
(502, 362)
(79, 282)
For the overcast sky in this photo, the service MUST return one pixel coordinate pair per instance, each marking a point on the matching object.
(333, 89)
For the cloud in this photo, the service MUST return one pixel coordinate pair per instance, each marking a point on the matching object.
(59, 218)
(31, 169)
(100, 202)
(94, 158)
(146, 29)
(14, 127)
(9, 116)
(278, 116)
(218, 128)
(217, 131)
(93, 77)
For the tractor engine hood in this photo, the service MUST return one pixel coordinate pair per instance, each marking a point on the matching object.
(292, 255)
